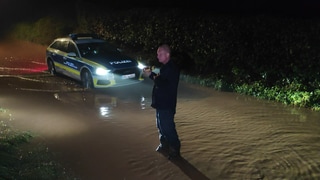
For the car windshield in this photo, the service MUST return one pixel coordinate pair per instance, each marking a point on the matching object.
(96, 49)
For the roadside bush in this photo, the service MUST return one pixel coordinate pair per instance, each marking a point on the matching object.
(44, 30)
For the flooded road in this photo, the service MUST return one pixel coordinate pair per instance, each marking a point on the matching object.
(111, 133)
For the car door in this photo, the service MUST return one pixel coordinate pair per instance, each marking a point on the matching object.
(56, 53)
(72, 62)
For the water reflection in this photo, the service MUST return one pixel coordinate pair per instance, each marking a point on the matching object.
(105, 111)
(101, 102)
(104, 104)
(143, 102)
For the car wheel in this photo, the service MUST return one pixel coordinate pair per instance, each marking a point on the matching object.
(86, 80)
(51, 68)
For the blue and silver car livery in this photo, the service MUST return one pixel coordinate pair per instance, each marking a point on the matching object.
(92, 61)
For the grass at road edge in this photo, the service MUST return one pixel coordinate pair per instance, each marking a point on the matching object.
(24, 158)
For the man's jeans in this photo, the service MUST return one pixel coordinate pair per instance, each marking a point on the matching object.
(167, 129)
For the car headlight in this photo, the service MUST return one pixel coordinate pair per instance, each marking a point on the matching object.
(102, 72)
(141, 66)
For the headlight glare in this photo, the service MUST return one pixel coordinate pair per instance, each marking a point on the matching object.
(101, 71)
(141, 66)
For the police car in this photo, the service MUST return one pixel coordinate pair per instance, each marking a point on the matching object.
(92, 61)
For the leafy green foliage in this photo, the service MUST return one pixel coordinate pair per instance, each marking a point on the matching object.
(43, 31)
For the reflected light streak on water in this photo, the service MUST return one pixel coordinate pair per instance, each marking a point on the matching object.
(105, 111)
(143, 102)
(15, 66)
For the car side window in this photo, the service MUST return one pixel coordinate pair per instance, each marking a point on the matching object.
(57, 45)
(64, 46)
(72, 48)
(88, 49)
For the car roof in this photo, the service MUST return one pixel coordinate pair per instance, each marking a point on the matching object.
(82, 38)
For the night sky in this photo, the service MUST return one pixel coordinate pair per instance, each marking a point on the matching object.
(12, 11)
(18, 10)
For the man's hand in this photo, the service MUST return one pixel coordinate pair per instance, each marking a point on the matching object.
(147, 71)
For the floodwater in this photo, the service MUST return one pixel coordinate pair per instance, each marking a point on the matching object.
(111, 133)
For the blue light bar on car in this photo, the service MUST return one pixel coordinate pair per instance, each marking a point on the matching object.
(75, 36)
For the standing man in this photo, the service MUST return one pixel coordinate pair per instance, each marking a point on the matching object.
(164, 100)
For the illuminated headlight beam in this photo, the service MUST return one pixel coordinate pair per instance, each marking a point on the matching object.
(141, 66)
(102, 72)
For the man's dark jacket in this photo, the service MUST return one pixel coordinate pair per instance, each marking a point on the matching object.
(164, 93)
